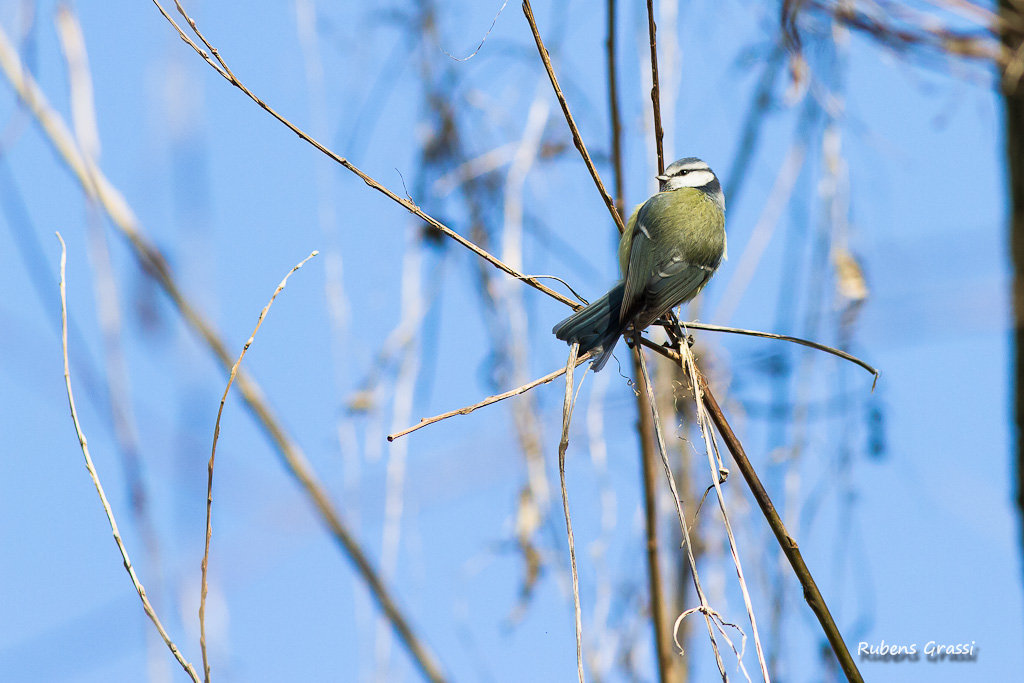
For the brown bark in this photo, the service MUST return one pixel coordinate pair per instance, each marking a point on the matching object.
(1013, 94)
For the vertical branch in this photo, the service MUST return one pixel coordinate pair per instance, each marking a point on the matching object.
(646, 427)
(659, 133)
(613, 106)
(655, 584)
(510, 296)
(1013, 95)
(83, 443)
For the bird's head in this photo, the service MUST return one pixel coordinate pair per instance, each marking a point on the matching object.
(692, 172)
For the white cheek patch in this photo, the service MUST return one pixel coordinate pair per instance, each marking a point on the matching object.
(696, 179)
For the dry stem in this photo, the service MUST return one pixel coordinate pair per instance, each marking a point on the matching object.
(716, 479)
(563, 444)
(659, 133)
(150, 612)
(810, 589)
(487, 401)
(705, 608)
(213, 456)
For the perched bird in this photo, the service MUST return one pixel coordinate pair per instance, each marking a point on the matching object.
(672, 245)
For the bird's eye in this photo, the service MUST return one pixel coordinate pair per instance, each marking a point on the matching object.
(684, 171)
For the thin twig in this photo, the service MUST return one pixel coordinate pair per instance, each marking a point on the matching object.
(683, 526)
(704, 423)
(810, 589)
(669, 353)
(220, 66)
(659, 133)
(488, 401)
(563, 445)
(654, 346)
(83, 443)
(576, 139)
(213, 456)
(153, 262)
(613, 106)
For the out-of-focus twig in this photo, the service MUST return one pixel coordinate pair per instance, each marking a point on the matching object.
(762, 233)
(213, 456)
(577, 140)
(648, 473)
(753, 123)
(906, 30)
(83, 443)
(152, 259)
(108, 308)
(411, 307)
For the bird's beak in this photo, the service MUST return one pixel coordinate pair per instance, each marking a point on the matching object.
(662, 178)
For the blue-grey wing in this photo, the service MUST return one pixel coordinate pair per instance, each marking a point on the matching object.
(639, 271)
(673, 284)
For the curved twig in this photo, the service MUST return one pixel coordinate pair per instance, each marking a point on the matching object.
(785, 337)
(83, 443)
(213, 456)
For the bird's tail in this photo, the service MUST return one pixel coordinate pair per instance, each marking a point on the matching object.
(596, 326)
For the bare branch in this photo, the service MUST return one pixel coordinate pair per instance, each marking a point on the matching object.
(487, 401)
(82, 442)
(659, 132)
(669, 353)
(613, 106)
(407, 203)
(213, 456)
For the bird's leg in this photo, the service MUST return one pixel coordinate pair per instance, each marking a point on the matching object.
(673, 329)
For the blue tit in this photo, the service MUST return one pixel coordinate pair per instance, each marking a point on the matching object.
(672, 245)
